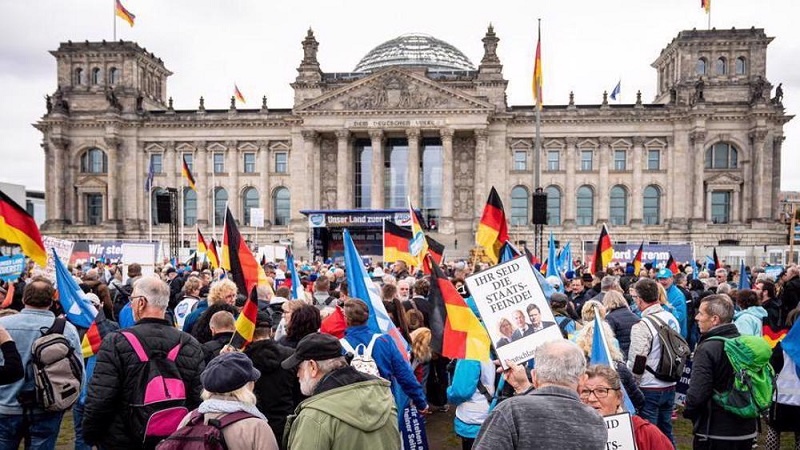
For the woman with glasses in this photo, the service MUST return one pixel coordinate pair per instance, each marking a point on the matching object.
(602, 391)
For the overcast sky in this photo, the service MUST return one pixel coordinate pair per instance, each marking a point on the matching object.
(587, 45)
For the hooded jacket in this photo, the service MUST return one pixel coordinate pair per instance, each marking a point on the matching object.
(749, 322)
(274, 390)
(348, 410)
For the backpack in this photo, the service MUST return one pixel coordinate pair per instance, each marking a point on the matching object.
(199, 435)
(754, 378)
(159, 402)
(57, 369)
(674, 351)
(122, 297)
(363, 361)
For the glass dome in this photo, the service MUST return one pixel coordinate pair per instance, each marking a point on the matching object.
(415, 49)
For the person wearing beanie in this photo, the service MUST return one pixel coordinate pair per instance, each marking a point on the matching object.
(228, 382)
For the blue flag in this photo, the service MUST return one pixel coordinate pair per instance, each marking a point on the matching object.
(296, 284)
(553, 261)
(601, 355)
(615, 92)
(77, 307)
(565, 259)
(744, 280)
(695, 271)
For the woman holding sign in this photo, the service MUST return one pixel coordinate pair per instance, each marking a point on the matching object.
(602, 391)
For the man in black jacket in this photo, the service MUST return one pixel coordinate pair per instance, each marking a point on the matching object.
(712, 372)
(115, 383)
(222, 325)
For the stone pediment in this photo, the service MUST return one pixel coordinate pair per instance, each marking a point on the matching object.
(394, 90)
(91, 181)
(724, 179)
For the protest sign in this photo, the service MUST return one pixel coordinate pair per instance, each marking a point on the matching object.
(11, 267)
(514, 309)
(620, 432)
(682, 386)
(412, 429)
(64, 250)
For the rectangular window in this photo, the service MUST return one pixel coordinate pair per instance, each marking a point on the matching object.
(94, 209)
(553, 160)
(520, 160)
(586, 160)
(281, 162)
(157, 162)
(653, 160)
(721, 207)
(189, 158)
(249, 162)
(620, 160)
(219, 162)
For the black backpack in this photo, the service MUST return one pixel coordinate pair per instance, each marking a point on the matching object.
(122, 297)
(674, 351)
(199, 435)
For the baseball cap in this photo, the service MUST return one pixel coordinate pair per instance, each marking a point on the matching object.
(663, 273)
(316, 346)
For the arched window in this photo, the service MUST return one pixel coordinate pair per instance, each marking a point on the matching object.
(701, 66)
(78, 75)
(363, 173)
(741, 66)
(189, 206)
(282, 201)
(553, 205)
(722, 66)
(113, 76)
(585, 213)
(220, 200)
(618, 211)
(651, 213)
(722, 156)
(94, 160)
(249, 201)
(519, 206)
(96, 75)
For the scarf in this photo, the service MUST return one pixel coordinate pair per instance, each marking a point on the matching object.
(215, 405)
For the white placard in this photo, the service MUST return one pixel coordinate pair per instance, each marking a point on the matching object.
(64, 250)
(620, 432)
(257, 217)
(514, 309)
(138, 253)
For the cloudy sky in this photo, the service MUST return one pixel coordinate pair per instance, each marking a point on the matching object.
(210, 44)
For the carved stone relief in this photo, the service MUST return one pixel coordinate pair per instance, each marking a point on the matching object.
(328, 173)
(397, 92)
(463, 177)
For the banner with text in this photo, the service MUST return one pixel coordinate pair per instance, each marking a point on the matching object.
(11, 267)
(620, 432)
(63, 248)
(658, 253)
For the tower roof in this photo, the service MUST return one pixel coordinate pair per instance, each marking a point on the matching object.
(415, 49)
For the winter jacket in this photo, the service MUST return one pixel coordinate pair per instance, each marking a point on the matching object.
(621, 320)
(349, 410)
(472, 407)
(11, 370)
(275, 387)
(252, 433)
(191, 319)
(114, 383)
(750, 321)
(775, 318)
(677, 300)
(645, 342)
(391, 364)
(212, 348)
(712, 372)
(790, 295)
(201, 329)
(648, 436)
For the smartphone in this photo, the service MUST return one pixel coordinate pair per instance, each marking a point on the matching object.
(639, 364)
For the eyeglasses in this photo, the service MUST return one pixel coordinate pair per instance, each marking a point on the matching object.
(601, 392)
(137, 297)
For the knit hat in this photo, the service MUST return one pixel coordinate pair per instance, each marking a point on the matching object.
(228, 372)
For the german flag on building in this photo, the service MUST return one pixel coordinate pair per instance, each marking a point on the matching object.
(123, 13)
(395, 244)
(493, 229)
(18, 227)
(637, 260)
(456, 331)
(603, 252)
(188, 174)
(246, 322)
(237, 258)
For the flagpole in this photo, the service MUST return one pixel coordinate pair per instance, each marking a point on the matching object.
(114, 17)
(383, 239)
(537, 149)
(182, 212)
(213, 199)
(150, 212)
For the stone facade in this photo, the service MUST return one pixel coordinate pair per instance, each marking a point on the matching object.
(712, 89)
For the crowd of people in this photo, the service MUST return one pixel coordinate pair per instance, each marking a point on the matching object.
(317, 376)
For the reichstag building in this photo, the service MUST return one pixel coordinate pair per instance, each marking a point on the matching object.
(417, 119)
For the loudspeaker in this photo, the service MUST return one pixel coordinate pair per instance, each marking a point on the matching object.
(163, 209)
(539, 208)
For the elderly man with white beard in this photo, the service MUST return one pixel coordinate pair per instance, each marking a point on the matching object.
(346, 409)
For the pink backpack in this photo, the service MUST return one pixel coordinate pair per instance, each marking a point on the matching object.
(159, 404)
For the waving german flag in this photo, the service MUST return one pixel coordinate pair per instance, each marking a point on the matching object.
(213, 256)
(123, 13)
(238, 259)
(637, 260)
(395, 244)
(246, 322)
(188, 174)
(672, 265)
(493, 229)
(603, 253)
(18, 227)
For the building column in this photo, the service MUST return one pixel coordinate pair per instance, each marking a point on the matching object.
(344, 182)
(234, 201)
(311, 149)
(669, 204)
(376, 190)
(761, 193)
(479, 190)
(172, 169)
(637, 189)
(113, 173)
(448, 184)
(777, 143)
(263, 180)
(203, 183)
(708, 203)
(603, 189)
(50, 186)
(737, 214)
(568, 205)
(748, 172)
(698, 139)
(414, 183)
(56, 173)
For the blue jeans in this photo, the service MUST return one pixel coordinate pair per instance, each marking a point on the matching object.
(77, 421)
(658, 409)
(43, 431)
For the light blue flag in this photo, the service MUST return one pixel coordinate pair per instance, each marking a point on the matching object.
(565, 259)
(744, 280)
(78, 308)
(695, 271)
(601, 355)
(709, 262)
(553, 261)
(615, 92)
(296, 284)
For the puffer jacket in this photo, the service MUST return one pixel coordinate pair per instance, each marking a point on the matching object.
(712, 372)
(621, 320)
(276, 388)
(349, 410)
(114, 383)
(750, 321)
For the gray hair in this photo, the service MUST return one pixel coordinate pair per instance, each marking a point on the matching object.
(719, 305)
(608, 282)
(154, 290)
(559, 362)
(614, 300)
(327, 366)
(724, 288)
(263, 292)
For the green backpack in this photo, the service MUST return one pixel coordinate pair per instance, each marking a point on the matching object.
(754, 378)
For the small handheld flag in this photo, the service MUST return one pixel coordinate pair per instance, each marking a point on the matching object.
(492, 229)
(123, 13)
(238, 94)
(603, 252)
(18, 227)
